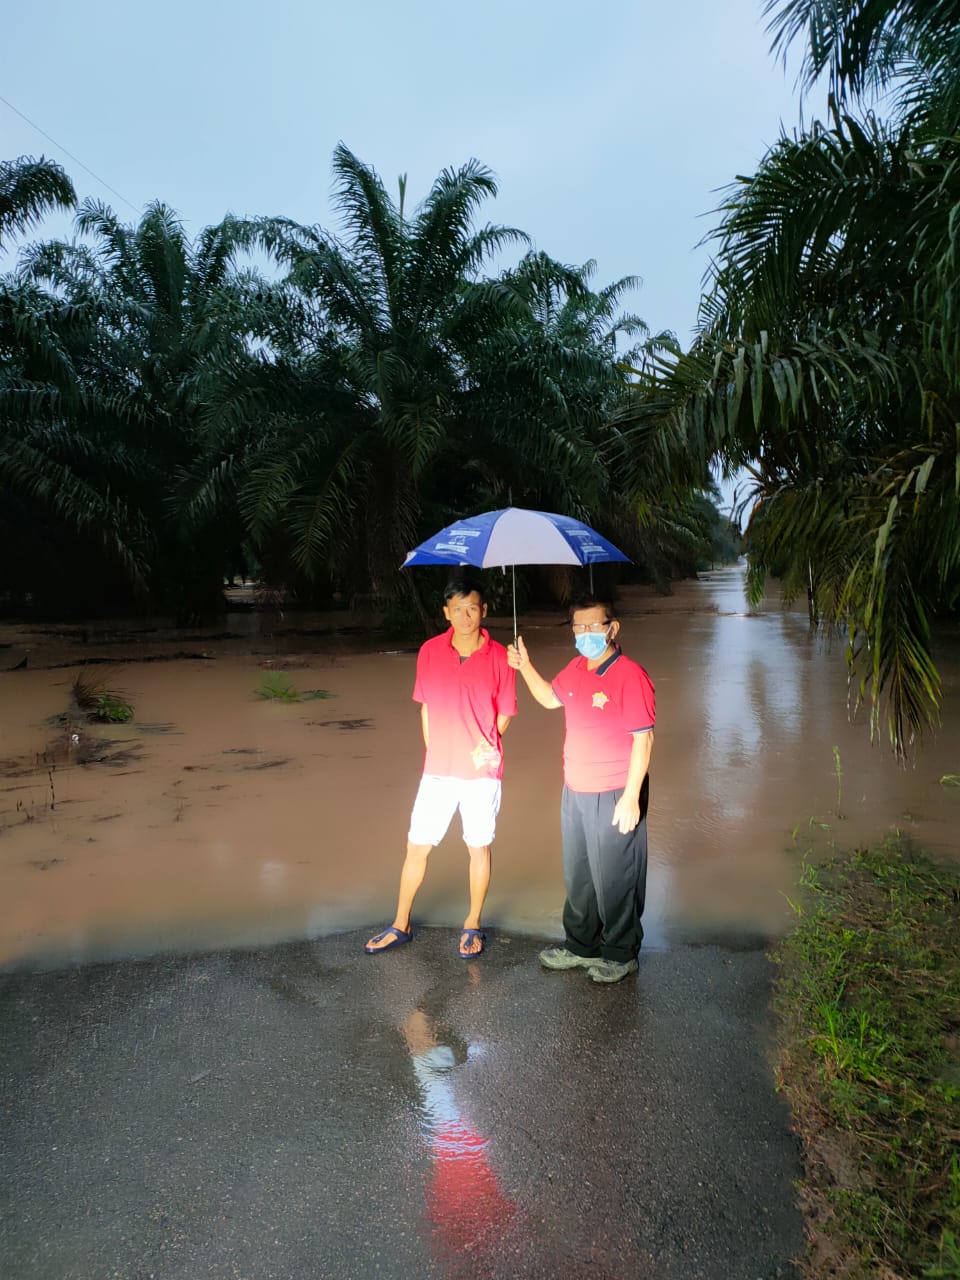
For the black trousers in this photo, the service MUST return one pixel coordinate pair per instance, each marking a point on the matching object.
(605, 874)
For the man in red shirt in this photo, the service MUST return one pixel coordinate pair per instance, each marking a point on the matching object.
(467, 695)
(610, 712)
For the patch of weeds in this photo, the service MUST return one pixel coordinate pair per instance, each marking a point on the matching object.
(111, 709)
(278, 686)
(838, 773)
(868, 1002)
(91, 696)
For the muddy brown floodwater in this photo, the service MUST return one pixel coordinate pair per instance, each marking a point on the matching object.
(218, 818)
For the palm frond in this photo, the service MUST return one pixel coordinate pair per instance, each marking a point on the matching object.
(29, 189)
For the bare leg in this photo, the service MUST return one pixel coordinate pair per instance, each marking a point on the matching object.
(479, 884)
(411, 878)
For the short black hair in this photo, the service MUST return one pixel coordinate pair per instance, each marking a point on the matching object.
(462, 587)
(594, 602)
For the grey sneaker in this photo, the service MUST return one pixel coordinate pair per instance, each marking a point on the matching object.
(561, 958)
(611, 970)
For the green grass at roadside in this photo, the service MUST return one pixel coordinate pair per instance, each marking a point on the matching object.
(868, 1003)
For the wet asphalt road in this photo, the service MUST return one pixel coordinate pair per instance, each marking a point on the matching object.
(307, 1112)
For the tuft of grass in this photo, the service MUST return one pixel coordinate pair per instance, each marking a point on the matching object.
(868, 1004)
(838, 773)
(91, 695)
(112, 709)
(87, 686)
(278, 686)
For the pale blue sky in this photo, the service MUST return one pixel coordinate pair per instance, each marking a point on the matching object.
(609, 129)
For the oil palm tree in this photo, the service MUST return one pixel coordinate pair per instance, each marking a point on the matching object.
(390, 311)
(121, 339)
(826, 362)
(539, 389)
(909, 47)
(30, 188)
(538, 420)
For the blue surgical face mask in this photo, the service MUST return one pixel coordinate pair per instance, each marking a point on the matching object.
(592, 644)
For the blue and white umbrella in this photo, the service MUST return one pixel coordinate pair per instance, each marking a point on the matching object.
(515, 536)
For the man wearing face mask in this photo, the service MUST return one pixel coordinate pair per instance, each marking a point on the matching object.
(610, 711)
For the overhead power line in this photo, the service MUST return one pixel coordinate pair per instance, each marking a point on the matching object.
(75, 159)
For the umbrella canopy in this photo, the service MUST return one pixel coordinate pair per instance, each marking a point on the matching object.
(515, 536)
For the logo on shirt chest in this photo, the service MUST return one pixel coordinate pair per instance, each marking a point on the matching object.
(600, 699)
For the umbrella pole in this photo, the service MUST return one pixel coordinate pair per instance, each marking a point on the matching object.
(513, 571)
(591, 579)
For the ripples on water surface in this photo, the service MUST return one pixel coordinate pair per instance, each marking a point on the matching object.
(224, 819)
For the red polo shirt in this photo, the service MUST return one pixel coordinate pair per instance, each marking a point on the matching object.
(463, 701)
(603, 709)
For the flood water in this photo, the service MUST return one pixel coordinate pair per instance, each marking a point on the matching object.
(216, 817)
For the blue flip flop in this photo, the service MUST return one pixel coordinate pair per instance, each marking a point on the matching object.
(399, 938)
(469, 935)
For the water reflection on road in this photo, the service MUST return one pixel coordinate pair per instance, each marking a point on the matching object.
(225, 819)
(466, 1210)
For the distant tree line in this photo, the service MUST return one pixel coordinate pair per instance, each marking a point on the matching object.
(169, 414)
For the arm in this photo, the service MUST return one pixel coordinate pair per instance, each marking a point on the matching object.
(626, 813)
(541, 689)
(502, 722)
(424, 724)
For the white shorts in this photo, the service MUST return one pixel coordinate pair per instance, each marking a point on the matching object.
(438, 799)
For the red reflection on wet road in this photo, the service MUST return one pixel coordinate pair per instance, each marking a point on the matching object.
(466, 1209)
